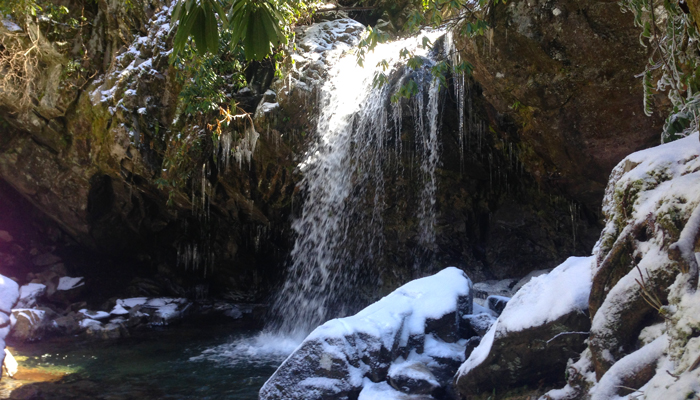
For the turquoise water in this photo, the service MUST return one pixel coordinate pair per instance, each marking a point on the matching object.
(185, 362)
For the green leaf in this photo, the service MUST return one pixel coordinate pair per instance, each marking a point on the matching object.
(198, 32)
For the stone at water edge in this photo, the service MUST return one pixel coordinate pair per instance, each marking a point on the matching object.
(341, 356)
(29, 324)
(539, 330)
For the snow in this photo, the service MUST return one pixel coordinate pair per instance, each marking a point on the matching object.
(9, 293)
(545, 298)
(626, 368)
(87, 323)
(165, 309)
(382, 391)
(435, 348)
(98, 315)
(348, 347)
(132, 302)
(412, 370)
(119, 310)
(68, 283)
(404, 311)
(29, 293)
(10, 364)
(11, 26)
(548, 297)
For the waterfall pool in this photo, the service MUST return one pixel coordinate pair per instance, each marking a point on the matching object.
(182, 362)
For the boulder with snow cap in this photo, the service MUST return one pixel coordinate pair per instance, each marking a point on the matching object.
(412, 378)
(68, 289)
(29, 293)
(541, 327)
(29, 324)
(344, 355)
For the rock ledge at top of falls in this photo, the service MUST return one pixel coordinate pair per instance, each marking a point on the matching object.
(410, 332)
(318, 47)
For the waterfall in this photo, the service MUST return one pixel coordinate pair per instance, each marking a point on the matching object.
(338, 241)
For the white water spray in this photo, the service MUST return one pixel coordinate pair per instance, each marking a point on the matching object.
(337, 242)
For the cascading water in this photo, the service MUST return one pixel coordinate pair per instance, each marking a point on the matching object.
(340, 229)
(337, 239)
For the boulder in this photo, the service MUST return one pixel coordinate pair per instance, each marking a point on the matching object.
(67, 325)
(343, 355)
(29, 324)
(541, 327)
(412, 377)
(29, 293)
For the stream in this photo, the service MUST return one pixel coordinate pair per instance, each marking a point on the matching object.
(189, 361)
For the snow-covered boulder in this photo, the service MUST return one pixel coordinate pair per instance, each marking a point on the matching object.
(407, 327)
(412, 377)
(157, 311)
(29, 293)
(9, 293)
(645, 280)
(540, 328)
(29, 324)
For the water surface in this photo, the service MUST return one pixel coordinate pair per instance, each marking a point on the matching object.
(184, 362)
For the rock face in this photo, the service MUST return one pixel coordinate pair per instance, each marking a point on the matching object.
(400, 339)
(88, 152)
(645, 273)
(90, 148)
(541, 327)
(565, 71)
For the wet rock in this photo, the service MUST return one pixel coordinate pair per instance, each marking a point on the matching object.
(68, 289)
(567, 51)
(471, 344)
